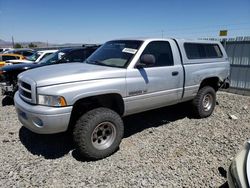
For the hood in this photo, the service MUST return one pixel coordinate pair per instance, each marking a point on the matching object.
(17, 67)
(71, 72)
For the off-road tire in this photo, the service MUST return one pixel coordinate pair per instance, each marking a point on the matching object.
(86, 127)
(7, 100)
(201, 110)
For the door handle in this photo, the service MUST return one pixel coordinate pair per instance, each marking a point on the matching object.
(175, 73)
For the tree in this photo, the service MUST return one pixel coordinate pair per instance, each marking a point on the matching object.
(17, 45)
(31, 45)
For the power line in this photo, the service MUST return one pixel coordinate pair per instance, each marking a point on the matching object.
(216, 27)
(209, 26)
(163, 33)
(197, 31)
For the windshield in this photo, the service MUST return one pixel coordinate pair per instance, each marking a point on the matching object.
(52, 58)
(34, 56)
(115, 53)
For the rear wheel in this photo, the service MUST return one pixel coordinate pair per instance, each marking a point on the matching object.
(204, 102)
(98, 133)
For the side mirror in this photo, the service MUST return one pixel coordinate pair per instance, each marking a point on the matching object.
(146, 60)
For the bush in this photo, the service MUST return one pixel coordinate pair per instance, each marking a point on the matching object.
(17, 45)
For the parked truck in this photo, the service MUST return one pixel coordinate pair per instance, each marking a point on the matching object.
(121, 78)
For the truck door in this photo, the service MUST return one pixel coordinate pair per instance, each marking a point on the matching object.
(155, 86)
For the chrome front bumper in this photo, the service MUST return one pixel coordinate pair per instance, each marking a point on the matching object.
(42, 119)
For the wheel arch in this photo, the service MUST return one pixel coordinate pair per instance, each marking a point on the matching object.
(113, 101)
(214, 82)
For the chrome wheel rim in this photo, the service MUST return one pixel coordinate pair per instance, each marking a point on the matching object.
(207, 102)
(103, 135)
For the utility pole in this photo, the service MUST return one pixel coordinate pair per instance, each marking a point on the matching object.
(13, 44)
(162, 33)
(47, 44)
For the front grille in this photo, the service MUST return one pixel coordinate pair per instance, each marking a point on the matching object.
(26, 86)
(25, 91)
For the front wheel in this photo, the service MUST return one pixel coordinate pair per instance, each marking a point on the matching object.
(98, 133)
(204, 102)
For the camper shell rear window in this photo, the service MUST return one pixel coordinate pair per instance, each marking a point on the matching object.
(202, 51)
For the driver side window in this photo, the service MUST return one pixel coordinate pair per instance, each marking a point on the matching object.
(162, 53)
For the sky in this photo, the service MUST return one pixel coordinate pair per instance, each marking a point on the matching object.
(96, 21)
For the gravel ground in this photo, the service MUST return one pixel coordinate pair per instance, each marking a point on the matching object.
(161, 148)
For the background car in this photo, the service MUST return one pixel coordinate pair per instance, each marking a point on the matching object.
(2, 50)
(6, 57)
(35, 58)
(23, 51)
(9, 73)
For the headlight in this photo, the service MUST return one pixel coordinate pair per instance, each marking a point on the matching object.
(50, 100)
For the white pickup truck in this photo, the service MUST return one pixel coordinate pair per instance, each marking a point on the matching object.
(122, 77)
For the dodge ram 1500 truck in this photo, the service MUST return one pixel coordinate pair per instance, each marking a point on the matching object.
(122, 77)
